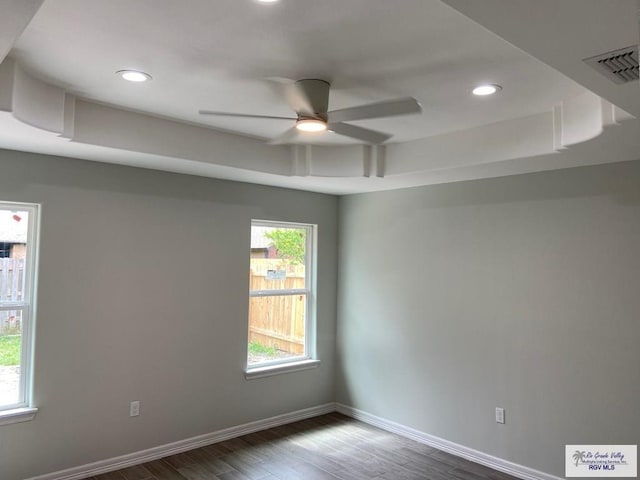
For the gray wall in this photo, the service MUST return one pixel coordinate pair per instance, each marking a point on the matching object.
(143, 296)
(521, 292)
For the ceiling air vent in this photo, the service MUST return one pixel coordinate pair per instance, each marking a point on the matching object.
(620, 66)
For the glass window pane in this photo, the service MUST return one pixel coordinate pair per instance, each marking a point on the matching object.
(276, 327)
(10, 354)
(13, 250)
(277, 258)
(17, 235)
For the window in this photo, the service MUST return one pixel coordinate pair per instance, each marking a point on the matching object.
(281, 298)
(18, 224)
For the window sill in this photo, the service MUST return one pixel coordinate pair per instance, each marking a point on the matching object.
(267, 371)
(17, 415)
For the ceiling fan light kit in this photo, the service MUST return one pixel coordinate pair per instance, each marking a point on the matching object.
(311, 125)
(309, 99)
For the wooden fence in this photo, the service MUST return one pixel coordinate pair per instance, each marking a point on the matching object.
(277, 321)
(11, 285)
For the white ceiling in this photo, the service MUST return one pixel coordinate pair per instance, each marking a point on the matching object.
(223, 55)
(218, 55)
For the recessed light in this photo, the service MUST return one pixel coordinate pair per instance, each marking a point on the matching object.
(311, 125)
(487, 89)
(267, 1)
(134, 75)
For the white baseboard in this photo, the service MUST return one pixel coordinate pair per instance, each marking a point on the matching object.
(467, 453)
(155, 453)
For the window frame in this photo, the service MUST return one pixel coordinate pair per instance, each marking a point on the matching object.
(309, 359)
(24, 410)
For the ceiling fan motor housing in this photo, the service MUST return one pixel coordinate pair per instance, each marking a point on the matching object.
(317, 93)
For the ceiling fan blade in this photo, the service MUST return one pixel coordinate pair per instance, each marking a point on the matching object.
(280, 80)
(364, 134)
(242, 115)
(285, 138)
(389, 108)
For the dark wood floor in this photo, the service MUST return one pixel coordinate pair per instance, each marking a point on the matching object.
(328, 447)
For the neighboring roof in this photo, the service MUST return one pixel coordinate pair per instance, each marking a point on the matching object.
(13, 226)
(258, 239)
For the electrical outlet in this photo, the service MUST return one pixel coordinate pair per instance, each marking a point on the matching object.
(499, 415)
(134, 409)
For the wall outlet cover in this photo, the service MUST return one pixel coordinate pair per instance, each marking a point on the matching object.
(499, 415)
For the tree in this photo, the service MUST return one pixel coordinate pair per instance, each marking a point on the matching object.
(289, 242)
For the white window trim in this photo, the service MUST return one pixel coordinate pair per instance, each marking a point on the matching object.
(17, 415)
(309, 360)
(24, 410)
(268, 370)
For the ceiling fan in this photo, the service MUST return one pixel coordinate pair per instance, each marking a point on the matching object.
(309, 99)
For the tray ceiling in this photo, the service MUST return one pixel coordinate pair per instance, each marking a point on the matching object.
(232, 55)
